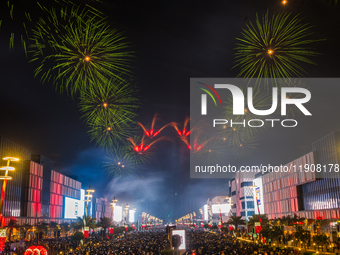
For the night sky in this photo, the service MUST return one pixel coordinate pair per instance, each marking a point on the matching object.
(173, 41)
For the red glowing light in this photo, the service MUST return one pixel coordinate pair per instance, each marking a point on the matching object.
(34, 250)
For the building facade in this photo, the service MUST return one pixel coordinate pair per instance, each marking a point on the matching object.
(310, 185)
(36, 192)
(242, 195)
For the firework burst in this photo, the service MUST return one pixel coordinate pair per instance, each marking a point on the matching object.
(114, 101)
(109, 110)
(18, 16)
(121, 162)
(77, 51)
(152, 131)
(274, 47)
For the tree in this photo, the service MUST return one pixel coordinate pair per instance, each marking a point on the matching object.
(105, 223)
(255, 218)
(12, 224)
(65, 227)
(236, 221)
(53, 227)
(41, 227)
(303, 236)
(79, 224)
(77, 237)
(321, 239)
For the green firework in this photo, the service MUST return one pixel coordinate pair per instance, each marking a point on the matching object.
(274, 47)
(121, 162)
(76, 50)
(114, 100)
(109, 110)
(19, 17)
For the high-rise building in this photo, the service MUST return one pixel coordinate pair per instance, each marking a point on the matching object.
(241, 193)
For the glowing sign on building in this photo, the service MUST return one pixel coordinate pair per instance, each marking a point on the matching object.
(132, 216)
(118, 213)
(220, 208)
(205, 212)
(73, 208)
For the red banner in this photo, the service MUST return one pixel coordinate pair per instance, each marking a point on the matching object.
(231, 228)
(2, 243)
(258, 229)
(86, 234)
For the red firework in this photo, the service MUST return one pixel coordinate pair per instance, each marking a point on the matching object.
(185, 131)
(144, 146)
(152, 132)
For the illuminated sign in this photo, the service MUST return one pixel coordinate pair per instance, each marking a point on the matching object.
(205, 212)
(117, 213)
(132, 216)
(73, 208)
(220, 208)
(181, 233)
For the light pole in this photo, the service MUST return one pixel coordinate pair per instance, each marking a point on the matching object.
(87, 200)
(4, 184)
(257, 202)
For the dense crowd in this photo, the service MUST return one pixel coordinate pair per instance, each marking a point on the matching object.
(154, 242)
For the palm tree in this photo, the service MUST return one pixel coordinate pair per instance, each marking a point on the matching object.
(236, 221)
(255, 218)
(105, 223)
(79, 224)
(13, 223)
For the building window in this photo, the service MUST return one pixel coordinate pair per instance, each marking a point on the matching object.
(243, 214)
(250, 213)
(243, 205)
(233, 193)
(250, 204)
(246, 184)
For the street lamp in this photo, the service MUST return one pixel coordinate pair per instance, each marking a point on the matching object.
(4, 184)
(88, 196)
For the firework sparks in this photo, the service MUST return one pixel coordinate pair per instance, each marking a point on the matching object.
(78, 51)
(274, 47)
(152, 132)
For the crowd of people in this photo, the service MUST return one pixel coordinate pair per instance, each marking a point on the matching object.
(155, 241)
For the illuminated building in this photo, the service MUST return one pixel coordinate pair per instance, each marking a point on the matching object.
(36, 192)
(296, 189)
(311, 194)
(12, 204)
(101, 208)
(214, 208)
(242, 196)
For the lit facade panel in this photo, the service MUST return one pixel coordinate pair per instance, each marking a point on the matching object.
(131, 216)
(220, 208)
(118, 213)
(73, 208)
